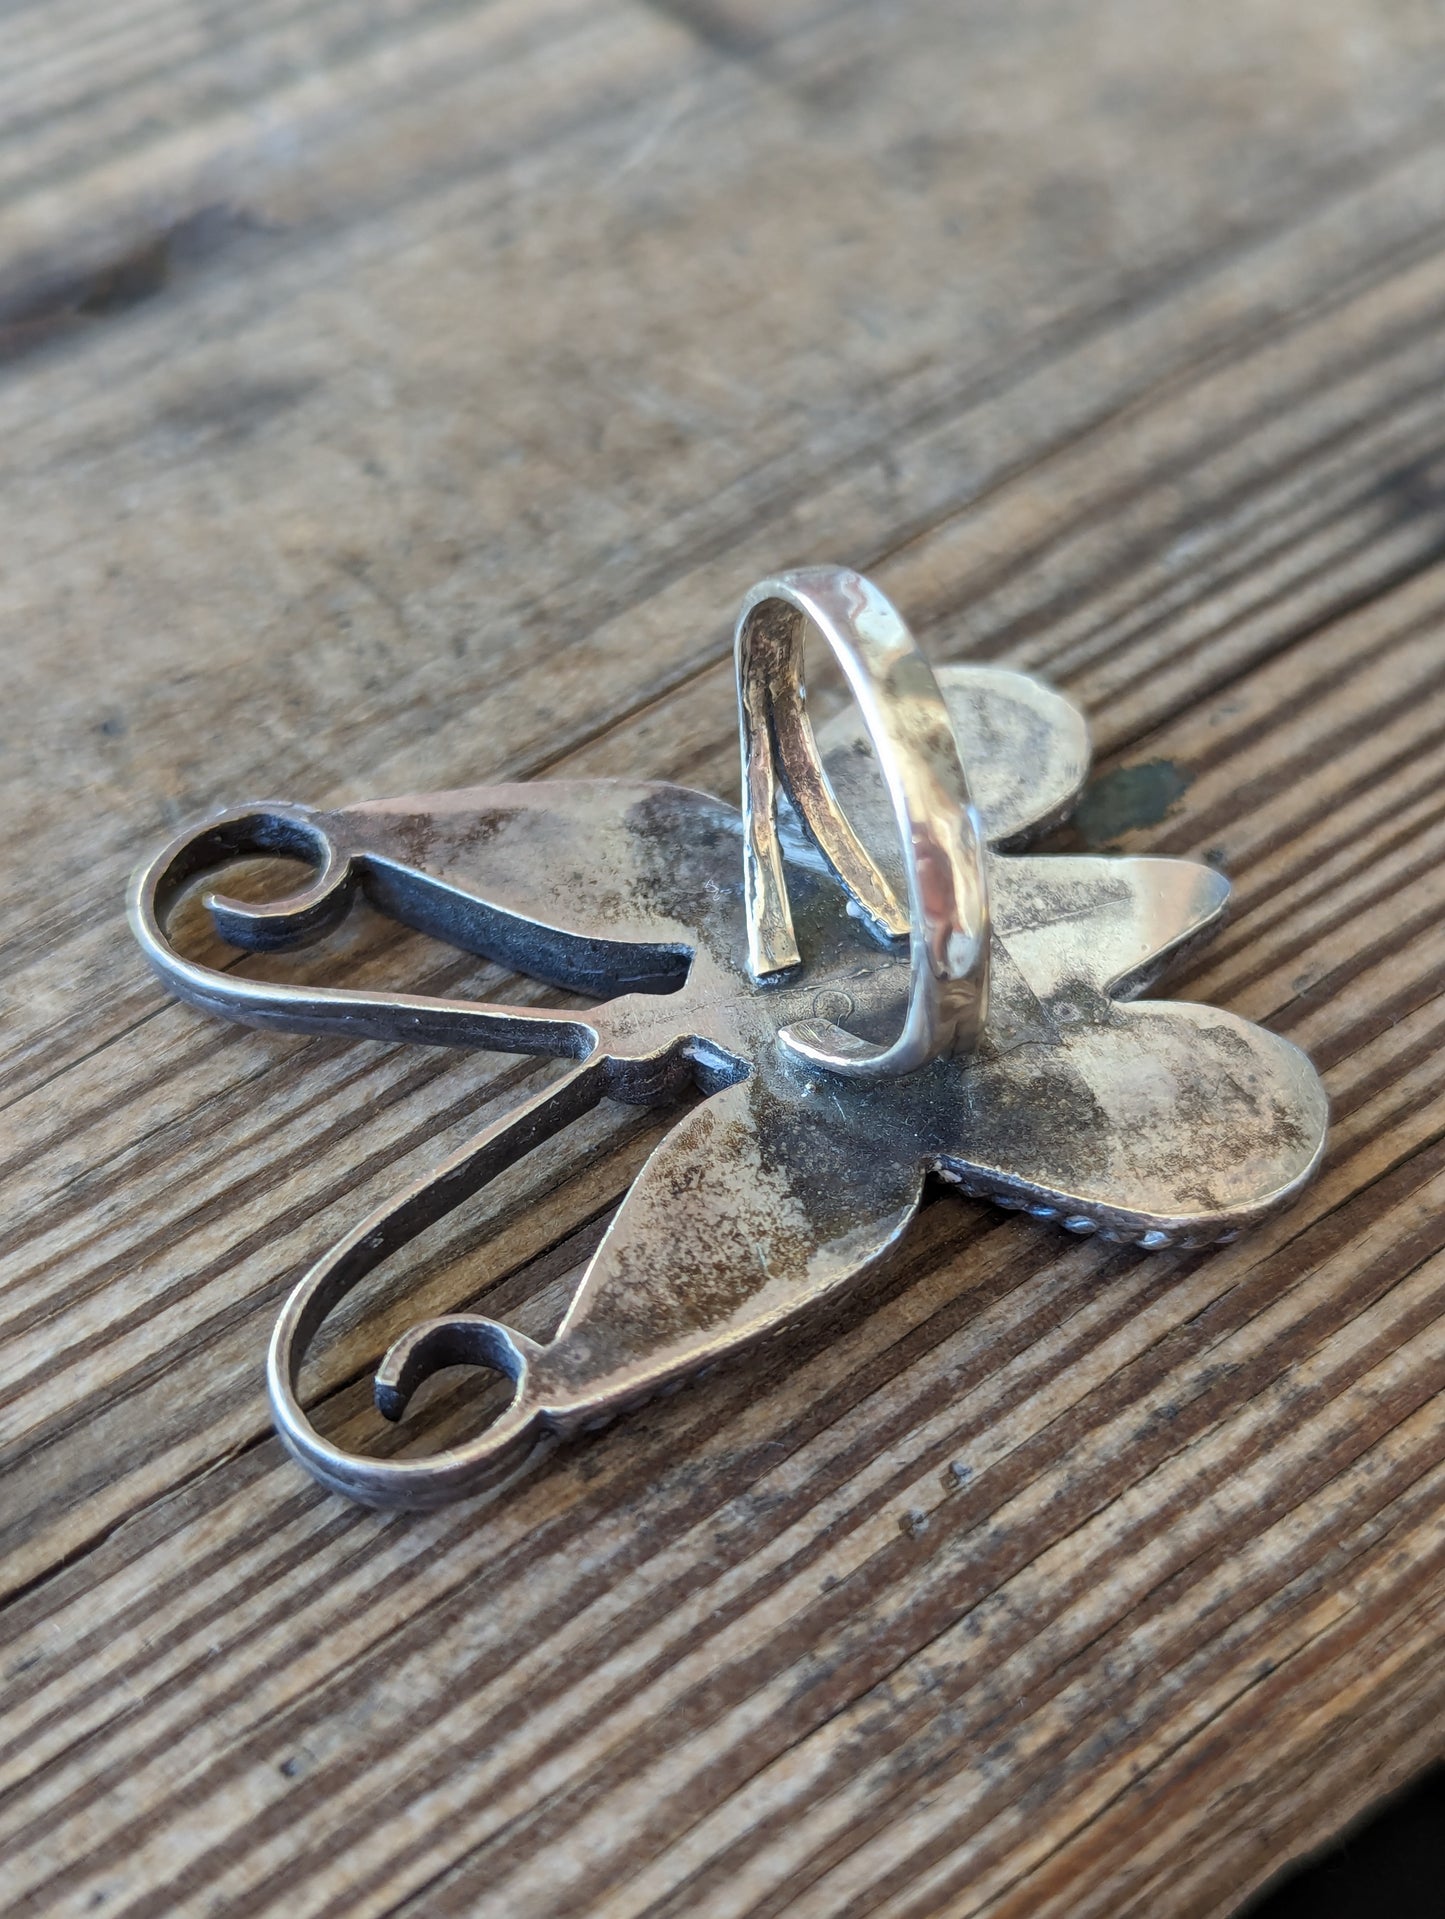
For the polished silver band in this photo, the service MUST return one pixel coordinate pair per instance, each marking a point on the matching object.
(908, 724)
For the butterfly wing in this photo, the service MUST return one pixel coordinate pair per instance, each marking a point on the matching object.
(1163, 1123)
(604, 886)
(1157, 1121)
(1085, 927)
(761, 1202)
(1025, 752)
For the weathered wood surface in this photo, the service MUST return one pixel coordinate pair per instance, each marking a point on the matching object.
(396, 396)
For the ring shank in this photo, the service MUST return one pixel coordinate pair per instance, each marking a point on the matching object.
(903, 710)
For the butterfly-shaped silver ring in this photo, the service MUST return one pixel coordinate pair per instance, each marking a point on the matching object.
(861, 976)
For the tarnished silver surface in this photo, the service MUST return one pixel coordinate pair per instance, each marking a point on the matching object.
(1153, 1123)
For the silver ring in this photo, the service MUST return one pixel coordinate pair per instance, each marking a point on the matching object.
(947, 919)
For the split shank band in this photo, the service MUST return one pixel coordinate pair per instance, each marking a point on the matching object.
(946, 917)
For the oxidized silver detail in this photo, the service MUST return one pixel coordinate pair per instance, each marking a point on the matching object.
(1148, 1123)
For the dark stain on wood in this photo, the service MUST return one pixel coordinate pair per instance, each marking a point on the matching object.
(1127, 799)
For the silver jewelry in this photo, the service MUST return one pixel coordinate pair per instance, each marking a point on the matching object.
(761, 958)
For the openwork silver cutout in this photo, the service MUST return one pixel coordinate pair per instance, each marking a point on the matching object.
(864, 979)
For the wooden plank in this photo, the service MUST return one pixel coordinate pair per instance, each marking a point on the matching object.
(401, 395)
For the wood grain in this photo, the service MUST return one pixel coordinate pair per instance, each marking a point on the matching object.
(400, 395)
